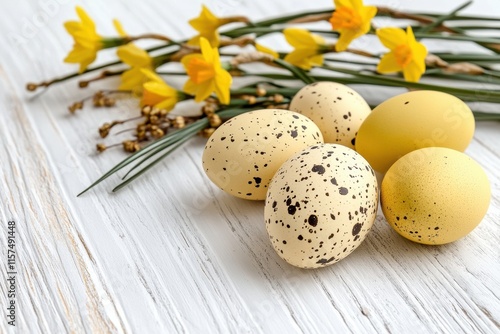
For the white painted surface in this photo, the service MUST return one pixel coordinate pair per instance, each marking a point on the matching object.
(171, 253)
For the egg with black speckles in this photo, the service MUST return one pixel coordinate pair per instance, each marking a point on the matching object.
(320, 206)
(435, 195)
(338, 110)
(244, 153)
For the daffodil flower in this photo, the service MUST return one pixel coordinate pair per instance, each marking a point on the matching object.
(87, 42)
(308, 48)
(352, 20)
(207, 24)
(157, 93)
(137, 59)
(406, 54)
(206, 74)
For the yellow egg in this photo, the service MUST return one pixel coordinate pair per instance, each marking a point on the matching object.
(243, 154)
(411, 121)
(435, 195)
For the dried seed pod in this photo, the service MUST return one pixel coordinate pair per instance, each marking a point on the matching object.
(141, 127)
(154, 112)
(131, 146)
(101, 147)
(98, 102)
(104, 130)
(278, 98)
(251, 99)
(179, 122)
(109, 101)
(141, 136)
(214, 120)
(145, 110)
(207, 132)
(260, 91)
(75, 106)
(157, 133)
(153, 119)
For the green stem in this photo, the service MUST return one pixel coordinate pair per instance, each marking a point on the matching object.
(467, 94)
(468, 57)
(441, 19)
(297, 72)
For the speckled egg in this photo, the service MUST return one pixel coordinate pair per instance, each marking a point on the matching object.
(435, 195)
(320, 205)
(244, 153)
(338, 110)
(414, 120)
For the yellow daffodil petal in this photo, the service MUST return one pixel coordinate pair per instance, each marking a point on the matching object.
(206, 24)
(351, 19)
(345, 38)
(304, 59)
(81, 55)
(299, 38)
(343, 3)
(72, 26)
(357, 5)
(222, 83)
(316, 60)
(419, 54)
(206, 50)
(190, 87)
(205, 21)
(206, 74)
(297, 58)
(266, 50)
(160, 95)
(187, 59)
(212, 37)
(388, 64)
(412, 72)
(204, 90)
(86, 40)
(307, 47)
(406, 54)
(149, 97)
(132, 55)
(132, 79)
(392, 37)
(409, 35)
(168, 103)
(201, 90)
(368, 13)
(152, 76)
(119, 28)
(85, 18)
(159, 88)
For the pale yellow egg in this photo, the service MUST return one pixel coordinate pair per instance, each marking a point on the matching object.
(337, 109)
(321, 205)
(244, 153)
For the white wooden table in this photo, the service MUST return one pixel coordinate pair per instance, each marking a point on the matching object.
(172, 253)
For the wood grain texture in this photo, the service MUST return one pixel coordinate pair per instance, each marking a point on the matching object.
(172, 253)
